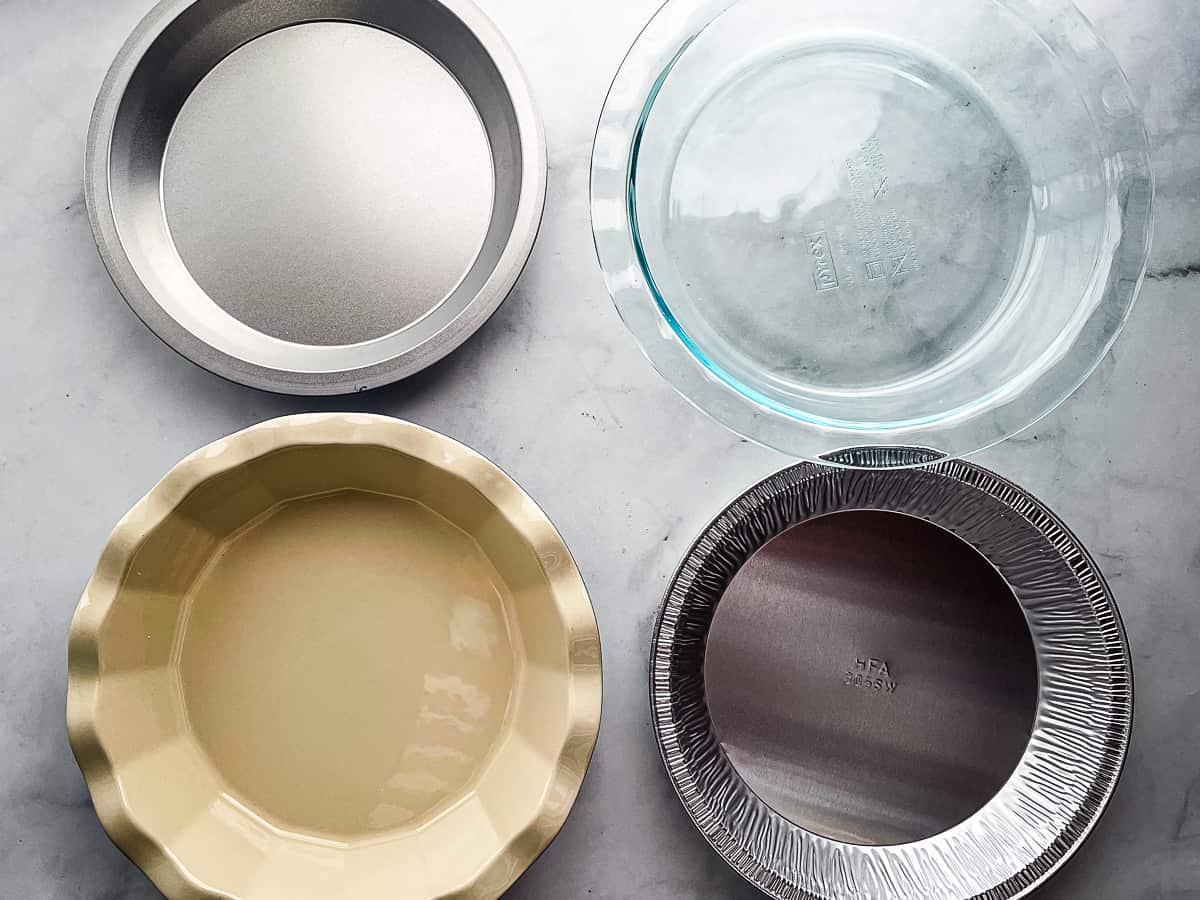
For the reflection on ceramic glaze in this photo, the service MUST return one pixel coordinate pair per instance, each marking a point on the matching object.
(337, 201)
(346, 664)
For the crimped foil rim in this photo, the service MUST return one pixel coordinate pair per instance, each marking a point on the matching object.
(1080, 735)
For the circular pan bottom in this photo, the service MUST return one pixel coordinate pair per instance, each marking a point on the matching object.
(292, 173)
(811, 239)
(902, 683)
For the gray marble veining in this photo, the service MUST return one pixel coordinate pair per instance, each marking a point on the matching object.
(93, 409)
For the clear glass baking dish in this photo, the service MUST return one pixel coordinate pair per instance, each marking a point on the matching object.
(872, 223)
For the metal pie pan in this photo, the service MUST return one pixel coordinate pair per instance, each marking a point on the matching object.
(319, 196)
(897, 685)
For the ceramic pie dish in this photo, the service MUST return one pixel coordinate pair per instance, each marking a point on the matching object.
(902, 685)
(315, 197)
(334, 656)
(872, 222)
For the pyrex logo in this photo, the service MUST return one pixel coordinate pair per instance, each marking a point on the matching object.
(824, 274)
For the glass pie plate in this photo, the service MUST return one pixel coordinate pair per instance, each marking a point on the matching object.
(872, 223)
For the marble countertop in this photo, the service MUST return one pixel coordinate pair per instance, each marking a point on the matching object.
(93, 409)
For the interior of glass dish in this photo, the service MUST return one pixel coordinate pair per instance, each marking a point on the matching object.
(884, 217)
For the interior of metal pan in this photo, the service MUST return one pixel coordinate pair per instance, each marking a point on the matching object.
(871, 677)
(864, 682)
(317, 196)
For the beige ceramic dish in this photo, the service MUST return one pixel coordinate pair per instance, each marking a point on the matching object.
(334, 656)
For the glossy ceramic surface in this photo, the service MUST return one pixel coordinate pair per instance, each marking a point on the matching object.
(897, 685)
(875, 222)
(334, 656)
(315, 197)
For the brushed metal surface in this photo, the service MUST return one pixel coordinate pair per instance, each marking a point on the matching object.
(904, 685)
(360, 214)
(317, 196)
(871, 677)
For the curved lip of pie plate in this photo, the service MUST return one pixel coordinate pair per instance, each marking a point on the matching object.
(799, 433)
(487, 300)
(513, 854)
(964, 861)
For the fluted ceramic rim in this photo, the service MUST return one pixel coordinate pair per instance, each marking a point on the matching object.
(1080, 735)
(513, 853)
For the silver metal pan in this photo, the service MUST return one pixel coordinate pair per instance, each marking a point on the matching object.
(315, 196)
(897, 685)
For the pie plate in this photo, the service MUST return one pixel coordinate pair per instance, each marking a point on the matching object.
(334, 656)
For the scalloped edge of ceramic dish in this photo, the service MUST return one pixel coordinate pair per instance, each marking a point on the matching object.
(511, 854)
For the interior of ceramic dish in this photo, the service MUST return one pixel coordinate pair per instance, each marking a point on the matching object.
(340, 669)
(872, 222)
(315, 188)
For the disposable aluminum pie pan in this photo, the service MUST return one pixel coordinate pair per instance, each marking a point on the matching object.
(905, 685)
(319, 196)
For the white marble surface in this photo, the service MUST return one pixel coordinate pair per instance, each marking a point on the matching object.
(93, 409)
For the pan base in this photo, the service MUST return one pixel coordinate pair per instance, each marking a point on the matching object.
(328, 183)
(871, 677)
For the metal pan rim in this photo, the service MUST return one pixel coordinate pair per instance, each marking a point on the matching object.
(469, 319)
